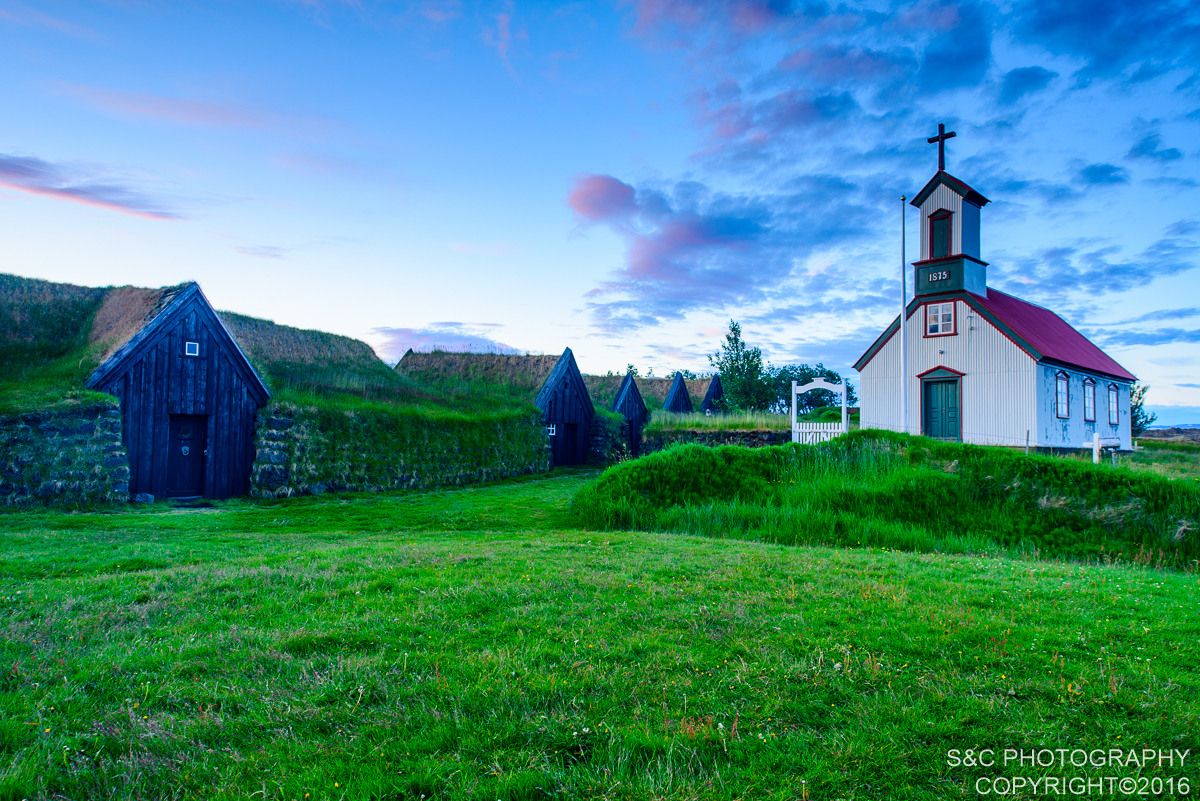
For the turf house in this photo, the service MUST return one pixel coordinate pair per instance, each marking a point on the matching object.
(555, 386)
(678, 399)
(984, 366)
(713, 395)
(630, 405)
(188, 400)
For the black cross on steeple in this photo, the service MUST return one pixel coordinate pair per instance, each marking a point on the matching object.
(941, 138)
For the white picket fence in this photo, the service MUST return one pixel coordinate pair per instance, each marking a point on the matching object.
(812, 433)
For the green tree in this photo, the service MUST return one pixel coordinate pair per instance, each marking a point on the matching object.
(1139, 418)
(783, 377)
(631, 370)
(745, 378)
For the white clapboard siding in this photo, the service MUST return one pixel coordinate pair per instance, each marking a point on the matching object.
(943, 197)
(999, 388)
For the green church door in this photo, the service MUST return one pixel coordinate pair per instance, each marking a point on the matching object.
(941, 410)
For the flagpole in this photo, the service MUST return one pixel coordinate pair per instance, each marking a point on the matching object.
(903, 324)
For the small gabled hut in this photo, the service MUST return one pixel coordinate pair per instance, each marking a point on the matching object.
(678, 399)
(188, 400)
(715, 393)
(567, 411)
(630, 404)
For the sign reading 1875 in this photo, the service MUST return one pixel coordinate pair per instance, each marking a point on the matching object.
(940, 275)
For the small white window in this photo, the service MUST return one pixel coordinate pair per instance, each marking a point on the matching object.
(939, 319)
(1062, 393)
(191, 348)
(1113, 415)
(551, 429)
(1089, 401)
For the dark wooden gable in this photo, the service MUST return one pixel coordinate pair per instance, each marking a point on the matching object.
(172, 400)
(678, 399)
(629, 401)
(714, 394)
(630, 404)
(567, 410)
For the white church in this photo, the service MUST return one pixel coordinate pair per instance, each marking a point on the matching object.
(983, 366)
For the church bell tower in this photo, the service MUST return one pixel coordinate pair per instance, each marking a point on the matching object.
(950, 213)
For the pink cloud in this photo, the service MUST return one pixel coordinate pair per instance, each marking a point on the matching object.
(39, 177)
(439, 12)
(831, 64)
(194, 112)
(23, 15)
(601, 198)
(450, 336)
(501, 37)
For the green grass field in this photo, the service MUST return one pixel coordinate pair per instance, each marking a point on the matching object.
(476, 643)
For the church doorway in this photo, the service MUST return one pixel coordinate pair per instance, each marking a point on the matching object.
(940, 415)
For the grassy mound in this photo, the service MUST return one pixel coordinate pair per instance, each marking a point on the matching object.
(888, 490)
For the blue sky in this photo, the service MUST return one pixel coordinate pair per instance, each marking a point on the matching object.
(619, 178)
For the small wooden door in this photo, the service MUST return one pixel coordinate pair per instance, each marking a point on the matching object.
(941, 410)
(186, 455)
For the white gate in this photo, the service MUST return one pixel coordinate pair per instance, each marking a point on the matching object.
(812, 433)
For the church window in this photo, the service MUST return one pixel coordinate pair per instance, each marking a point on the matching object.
(939, 234)
(939, 319)
(191, 349)
(550, 429)
(1062, 395)
(1113, 416)
(1089, 400)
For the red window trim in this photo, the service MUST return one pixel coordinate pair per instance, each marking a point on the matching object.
(1062, 376)
(949, 217)
(1114, 409)
(1087, 382)
(925, 320)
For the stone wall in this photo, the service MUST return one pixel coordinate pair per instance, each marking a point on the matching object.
(608, 440)
(70, 456)
(749, 439)
(310, 451)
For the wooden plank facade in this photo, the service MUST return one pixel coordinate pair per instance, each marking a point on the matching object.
(630, 404)
(567, 411)
(678, 399)
(714, 394)
(188, 403)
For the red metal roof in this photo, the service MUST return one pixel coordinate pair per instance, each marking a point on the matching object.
(1049, 334)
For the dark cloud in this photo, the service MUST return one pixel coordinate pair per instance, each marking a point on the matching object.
(1024, 81)
(1150, 147)
(1056, 275)
(959, 56)
(40, 177)
(689, 248)
(1164, 314)
(1163, 336)
(1112, 35)
(1183, 228)
(1094, 174)
(451, 336)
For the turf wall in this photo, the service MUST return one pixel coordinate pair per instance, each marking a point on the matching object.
(304, 450)
(62, 457)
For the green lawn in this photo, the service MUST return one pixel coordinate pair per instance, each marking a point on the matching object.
(474, 644)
